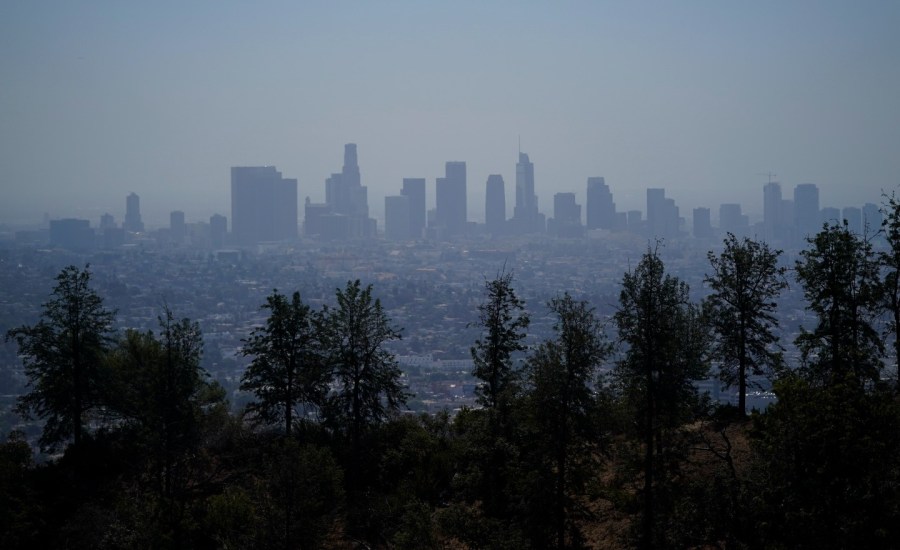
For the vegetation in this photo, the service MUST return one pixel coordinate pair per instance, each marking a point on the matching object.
(745, 282)
(578, 441)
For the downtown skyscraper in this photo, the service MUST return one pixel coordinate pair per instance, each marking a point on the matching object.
(263, 205)
(526, 218)
(450, 200)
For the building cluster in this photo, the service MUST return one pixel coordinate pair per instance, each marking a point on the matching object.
(264, 211)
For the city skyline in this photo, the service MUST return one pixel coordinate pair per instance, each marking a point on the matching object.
(700, 99)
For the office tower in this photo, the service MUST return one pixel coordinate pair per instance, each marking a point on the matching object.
(635, 222)
(396, 218)
(830, 216)
(263, 205)
(601, 210)
(218, 228)
(807, 218)
(663, 219)
(450, 200)
(773, 222)
(346, 196)
(871, 218)
(731, 220)
(526, 218)
(565, 209)
(107, 222)
(566, 220)
(177, 229)
(702, 225)
(72, 234)
(414, 190)
(133, 221)
(853, 216)
(495, 205)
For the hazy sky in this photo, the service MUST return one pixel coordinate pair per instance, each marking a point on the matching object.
(98, 99)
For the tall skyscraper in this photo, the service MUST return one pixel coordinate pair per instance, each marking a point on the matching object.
(495, 205)
(663, 219)
(133, 221)
(871, 218)
(853, 216)
(601, 210)
(177, 228)
(702, 225)
(218, 228)
(773, 224)
(450, 200)
(263, 205)
(566, 221)
(526, 218)
(396, 218)
(807, 218)
(731, 220)
(414, 190)
(346, 196)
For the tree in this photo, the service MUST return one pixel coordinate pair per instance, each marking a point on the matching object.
(62, 357)
(666, 342)
(840, 280)
(890, 263)
(286, 373)
(745, 282)
(562, 374)
(504, 321)
(162, 393)
(367, 379)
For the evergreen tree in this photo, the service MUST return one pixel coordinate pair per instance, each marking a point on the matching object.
(286, 373)
(890, 264)
(504, 322)
(162, 394)
(62, 355)
(562, 374)
(368, 387)
(840, 279)
(666, 342)
(745, 282)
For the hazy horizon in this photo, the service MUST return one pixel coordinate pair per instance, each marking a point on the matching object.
(701, 98)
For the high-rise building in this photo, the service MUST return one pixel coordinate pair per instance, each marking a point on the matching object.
(495, 205)
(218, 228)
(346, 196)
(601, 210)
(663, 219)
(450, 200)
(414, 190)
(107, 221)
(263, 205)
(177, 228)
(566, 220)
(526, 218)
(731, 220)
(71, 233)
(871, 218)
(396, 218)
(773, 222)
(702, 225)
(853, 216)
(133, 221)
(807, 218)
(830, 216)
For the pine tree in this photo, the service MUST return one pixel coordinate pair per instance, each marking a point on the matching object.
(563, 373)
(840, 280)
(286, 373)
(666, 342)
(62, 355)
(745, 282)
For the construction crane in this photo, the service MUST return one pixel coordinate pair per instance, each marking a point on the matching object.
(770, 175)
